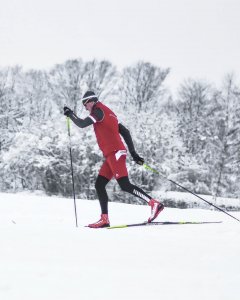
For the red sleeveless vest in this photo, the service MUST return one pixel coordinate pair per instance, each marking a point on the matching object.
(107, 132)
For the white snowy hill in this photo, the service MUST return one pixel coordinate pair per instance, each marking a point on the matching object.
(44, 256)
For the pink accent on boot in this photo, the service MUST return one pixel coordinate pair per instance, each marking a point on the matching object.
(103, 222)
(156, 208)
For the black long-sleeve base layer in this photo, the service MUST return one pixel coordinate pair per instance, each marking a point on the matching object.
(125, 185)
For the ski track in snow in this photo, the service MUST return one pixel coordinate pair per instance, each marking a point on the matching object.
(44, 256)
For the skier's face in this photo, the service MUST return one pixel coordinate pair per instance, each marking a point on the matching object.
(89, 106)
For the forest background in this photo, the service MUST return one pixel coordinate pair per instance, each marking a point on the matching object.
(192, 137)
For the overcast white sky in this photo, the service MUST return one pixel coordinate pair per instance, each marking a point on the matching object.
(195, 38)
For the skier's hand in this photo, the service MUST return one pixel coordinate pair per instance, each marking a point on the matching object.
(67, 111)
(139, 160)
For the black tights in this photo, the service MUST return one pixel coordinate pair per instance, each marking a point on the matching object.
(125, 185)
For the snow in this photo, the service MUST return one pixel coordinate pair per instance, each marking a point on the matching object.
(44, 256)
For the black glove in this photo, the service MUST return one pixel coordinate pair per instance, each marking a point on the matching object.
(139, 160)
(67, 111)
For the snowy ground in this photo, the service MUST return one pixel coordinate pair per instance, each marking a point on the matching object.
(44, 256)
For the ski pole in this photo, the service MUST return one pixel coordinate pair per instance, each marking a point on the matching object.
(182, 187)
(73, 186)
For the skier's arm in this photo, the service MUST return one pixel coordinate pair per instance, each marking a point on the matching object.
(82, 123)
(125, 133)
(128, 140)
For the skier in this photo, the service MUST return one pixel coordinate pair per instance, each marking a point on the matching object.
(108, 131)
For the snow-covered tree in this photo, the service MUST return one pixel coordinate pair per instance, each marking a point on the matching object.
(194, 139)
(101, 77)
(193, 102)
(38, 106)
(142, 96)
(142, 86)
(194, 115)
(226, 142)
(66, 83)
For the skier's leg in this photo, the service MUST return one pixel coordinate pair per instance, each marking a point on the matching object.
(156, 206)
(127, 186)
(100, 186)
(105, 175)
(117, 163)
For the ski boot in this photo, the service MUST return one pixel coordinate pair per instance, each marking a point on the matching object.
(103, 222)
(156, 208)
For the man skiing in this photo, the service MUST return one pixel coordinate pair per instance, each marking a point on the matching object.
(108, 131)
